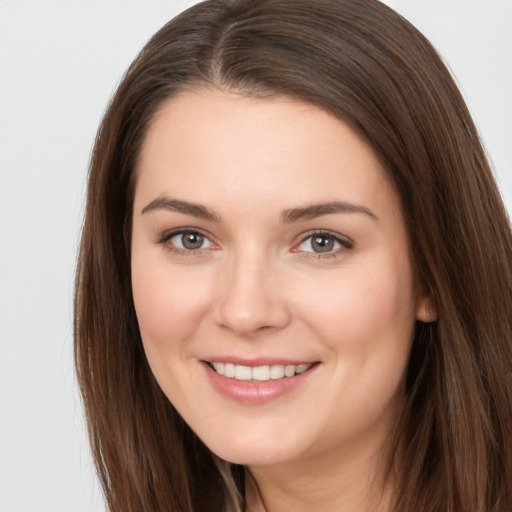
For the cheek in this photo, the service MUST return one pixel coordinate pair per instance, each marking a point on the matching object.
(363, 307)
(169, 303)
(366, 322)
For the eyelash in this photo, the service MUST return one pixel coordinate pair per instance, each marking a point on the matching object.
(345, 244)
(166, 238)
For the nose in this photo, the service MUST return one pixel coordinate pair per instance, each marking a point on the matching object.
(249, 299)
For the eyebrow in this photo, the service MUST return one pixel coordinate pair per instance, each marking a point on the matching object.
(196, 210)
(288, 216)
(317, 210)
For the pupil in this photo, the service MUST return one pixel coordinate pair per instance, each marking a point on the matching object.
(192, 240)
(323, 244)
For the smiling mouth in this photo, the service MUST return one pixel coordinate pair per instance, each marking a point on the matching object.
(258, 373)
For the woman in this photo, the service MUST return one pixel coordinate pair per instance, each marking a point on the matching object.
(294, 279)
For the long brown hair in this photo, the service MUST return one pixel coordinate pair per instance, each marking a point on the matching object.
(451, 450)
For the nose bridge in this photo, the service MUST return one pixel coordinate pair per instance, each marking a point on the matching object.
(248, 298)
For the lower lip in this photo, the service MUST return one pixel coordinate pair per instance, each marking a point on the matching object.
(255, 392)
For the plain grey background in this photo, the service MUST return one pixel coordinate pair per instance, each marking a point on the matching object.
(59, 63)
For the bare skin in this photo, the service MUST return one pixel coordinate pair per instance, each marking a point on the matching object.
(267, 236)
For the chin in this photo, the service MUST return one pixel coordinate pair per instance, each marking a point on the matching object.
(246, 452)
(251, 457)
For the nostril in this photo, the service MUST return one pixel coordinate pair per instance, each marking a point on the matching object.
(264, 328)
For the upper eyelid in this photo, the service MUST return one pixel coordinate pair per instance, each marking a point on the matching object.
(326, 232)
(169, 233)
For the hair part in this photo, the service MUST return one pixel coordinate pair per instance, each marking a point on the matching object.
(451, 449)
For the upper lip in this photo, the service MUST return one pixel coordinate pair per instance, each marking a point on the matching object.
(258, 361)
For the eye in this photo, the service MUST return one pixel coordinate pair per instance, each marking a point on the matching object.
(323, 243)
(187, 241)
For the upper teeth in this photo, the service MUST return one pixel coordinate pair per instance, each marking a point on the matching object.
(275, 371)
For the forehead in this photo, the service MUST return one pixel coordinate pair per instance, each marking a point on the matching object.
(202, 143)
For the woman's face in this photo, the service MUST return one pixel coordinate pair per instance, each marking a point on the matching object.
(269, 244)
